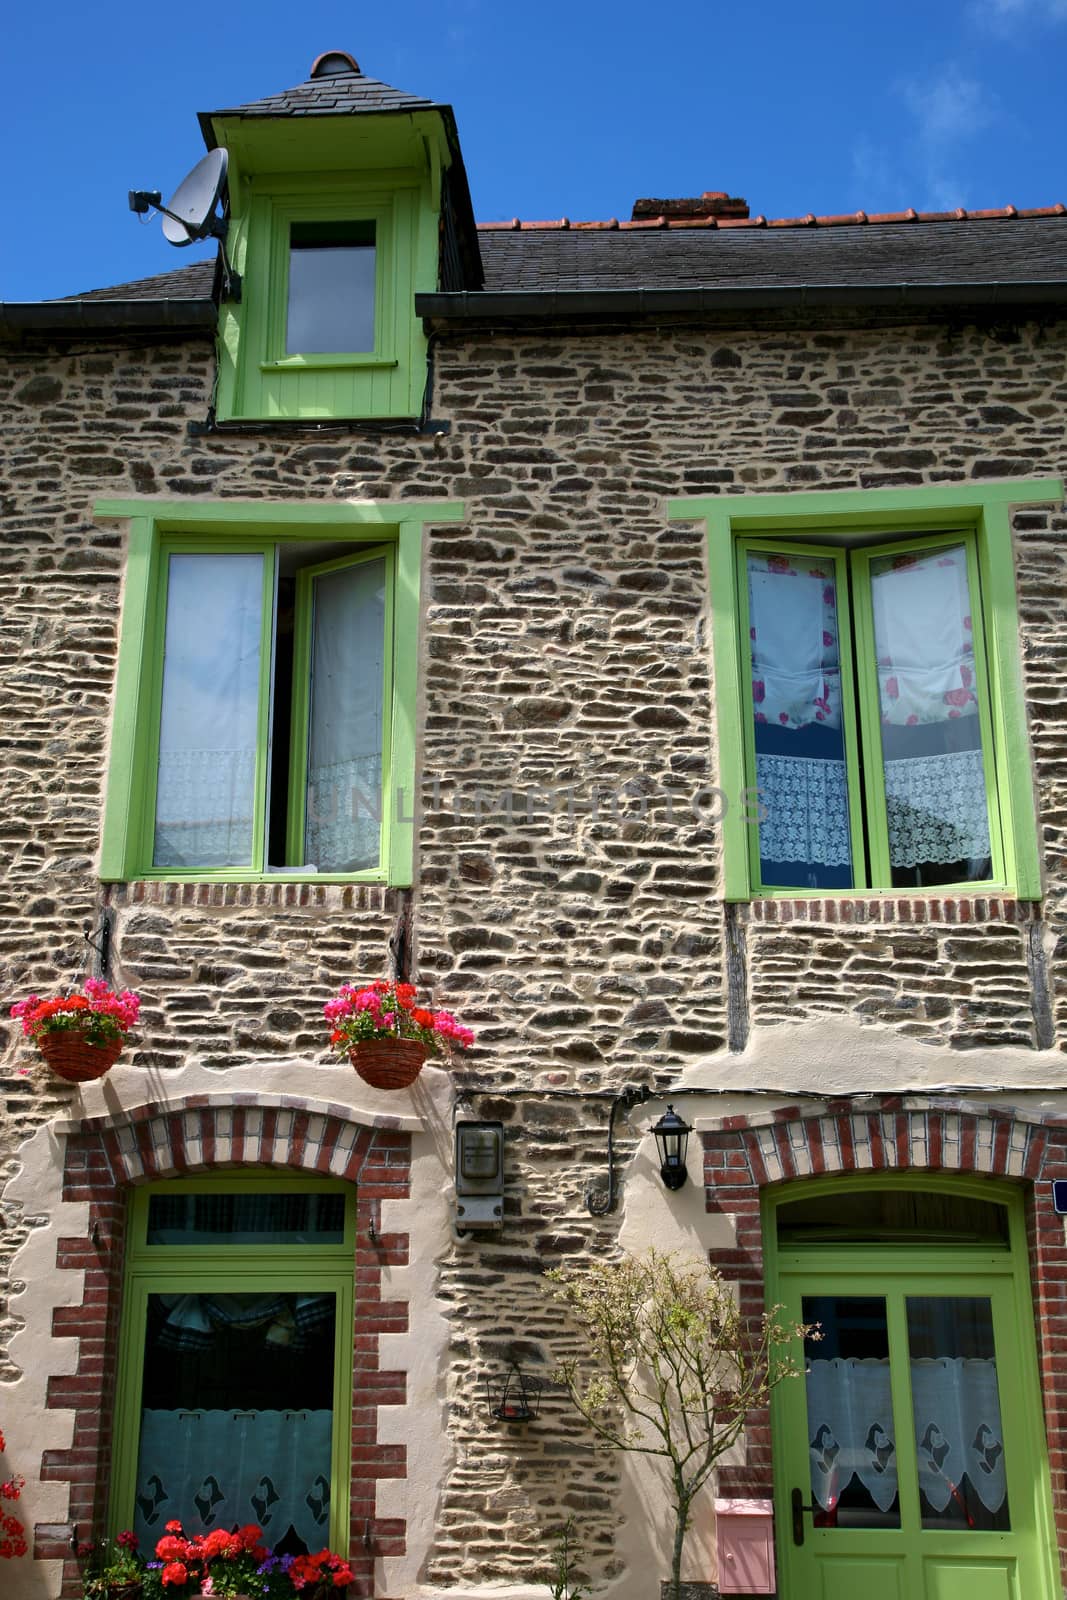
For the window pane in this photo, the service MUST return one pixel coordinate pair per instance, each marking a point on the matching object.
(331, 288)
(935, 786)
(343, 831)
(850, 1413)
(800, 753)
(956, 1401)
(238, 1219)
(237, 1415)
(207, 735)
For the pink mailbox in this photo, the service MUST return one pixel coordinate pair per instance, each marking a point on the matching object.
(744, 1531)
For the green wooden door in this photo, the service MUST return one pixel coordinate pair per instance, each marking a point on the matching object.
(910, 1457)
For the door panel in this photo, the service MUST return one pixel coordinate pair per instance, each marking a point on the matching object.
(856, 1578)
(909, 1437)
(971, 1580)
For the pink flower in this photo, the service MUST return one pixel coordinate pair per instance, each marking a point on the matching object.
(760, 716)
(957, 697)
(892, 689)
(912, 720)
(966, 676)
(828, 598)
(827, 639)
(759, 690)
(967, 623)
(752, 633)
(783, 716)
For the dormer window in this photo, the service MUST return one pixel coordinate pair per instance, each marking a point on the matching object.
(331, 292)
(347, 199)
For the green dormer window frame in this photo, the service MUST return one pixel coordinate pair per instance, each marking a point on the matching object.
(259, 376)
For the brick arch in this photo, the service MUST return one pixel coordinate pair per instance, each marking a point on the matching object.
(104, 1157)
(746, 1154)
(196, 1134)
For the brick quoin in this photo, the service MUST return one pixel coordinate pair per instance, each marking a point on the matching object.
(839, 1140)
(101, 1163)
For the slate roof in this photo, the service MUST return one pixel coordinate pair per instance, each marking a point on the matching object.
(1002, 247)
(194, 282)
(339, 94)
(537, 269)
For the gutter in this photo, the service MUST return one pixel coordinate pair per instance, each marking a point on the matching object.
(571, 304)
(108, 316)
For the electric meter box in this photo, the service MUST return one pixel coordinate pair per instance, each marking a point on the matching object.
(479, 1174)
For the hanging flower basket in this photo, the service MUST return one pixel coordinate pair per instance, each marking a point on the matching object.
(386, 1036)
(79, 1035)
(389, 1062)
(74, 1057)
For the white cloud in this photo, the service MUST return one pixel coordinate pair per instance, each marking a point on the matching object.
(947, 107)
(999, 16)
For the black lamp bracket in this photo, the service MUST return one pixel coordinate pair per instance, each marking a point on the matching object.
(601, 1202)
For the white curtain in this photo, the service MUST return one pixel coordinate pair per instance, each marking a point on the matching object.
(957, 1429)
(796, 670)
(344, 795)
(217, 1469)
(207, 736)
(936, 798)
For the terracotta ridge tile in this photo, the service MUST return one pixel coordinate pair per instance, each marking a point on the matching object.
(810, 220)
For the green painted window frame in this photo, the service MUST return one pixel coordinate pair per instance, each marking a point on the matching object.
(182, 1269)
(257, 377)
(283, 214)
(872, 521)
(155, 528)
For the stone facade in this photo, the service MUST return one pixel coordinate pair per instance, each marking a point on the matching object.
(567, 895)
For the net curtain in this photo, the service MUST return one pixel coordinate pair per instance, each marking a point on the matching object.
(935, 793)
(218, 1469)
(957, 1429)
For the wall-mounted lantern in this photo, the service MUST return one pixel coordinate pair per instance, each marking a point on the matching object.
(515, 1397)
(672, 1136)
(479, 1174)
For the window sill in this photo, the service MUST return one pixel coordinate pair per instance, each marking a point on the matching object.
(328, 363)
(998, 905)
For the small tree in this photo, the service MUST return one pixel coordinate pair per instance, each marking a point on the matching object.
(672, 1371)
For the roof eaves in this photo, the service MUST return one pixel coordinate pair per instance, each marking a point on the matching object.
(539, 304)
(71, 317)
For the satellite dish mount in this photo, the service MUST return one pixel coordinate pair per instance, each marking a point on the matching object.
(190, 214)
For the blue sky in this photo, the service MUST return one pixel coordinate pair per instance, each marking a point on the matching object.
(565, 108)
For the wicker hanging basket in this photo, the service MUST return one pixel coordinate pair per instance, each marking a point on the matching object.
(70, 1055)
(388, 1062)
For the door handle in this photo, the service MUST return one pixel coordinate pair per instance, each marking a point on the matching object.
(796, 1501)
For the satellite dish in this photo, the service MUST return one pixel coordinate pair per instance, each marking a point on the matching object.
(190, 213)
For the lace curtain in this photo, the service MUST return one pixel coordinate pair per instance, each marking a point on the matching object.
(215, 1469)
(957, 1429)
(933, 765)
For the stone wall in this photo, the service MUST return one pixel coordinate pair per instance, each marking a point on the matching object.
(566, 897)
